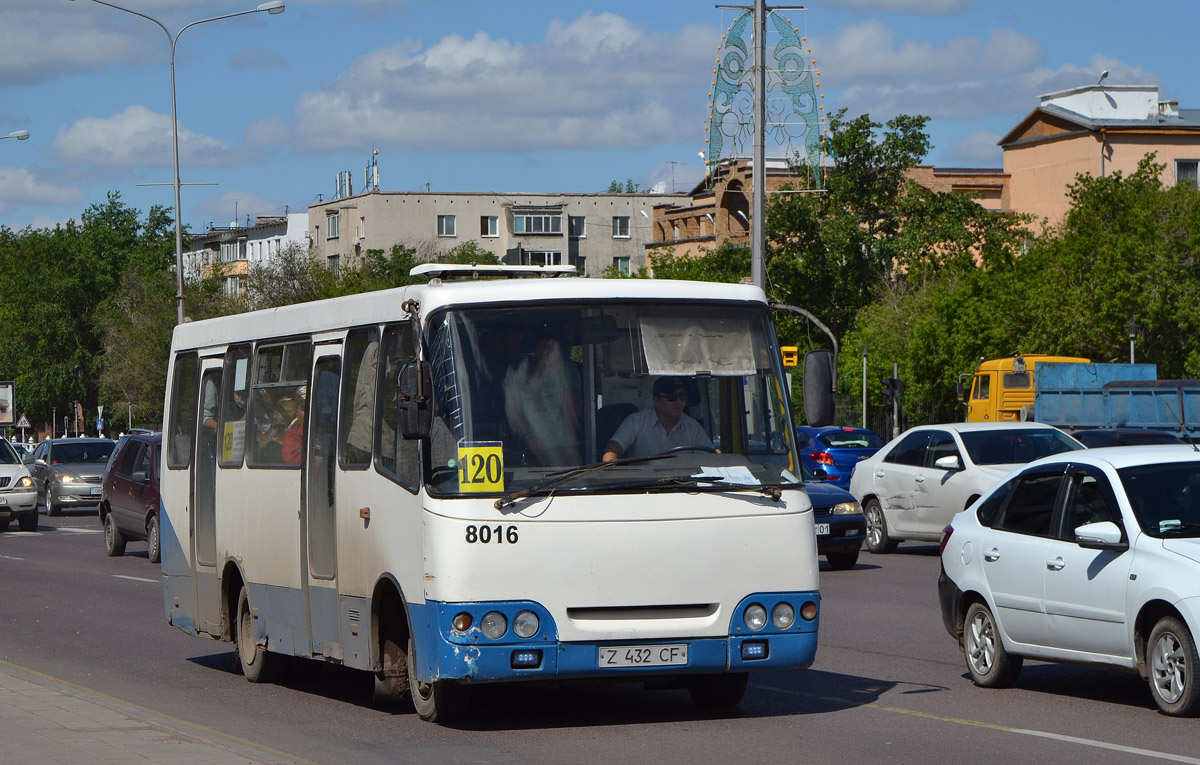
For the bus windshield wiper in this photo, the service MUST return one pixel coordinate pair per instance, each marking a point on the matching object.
(719, 483)
(553, 480)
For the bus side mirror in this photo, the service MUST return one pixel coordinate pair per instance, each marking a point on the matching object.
(959, 391)
(820, 406)
(414, 400)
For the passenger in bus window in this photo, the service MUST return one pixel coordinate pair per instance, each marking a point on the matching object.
(293, 436)
(543, 404)
(663, 426)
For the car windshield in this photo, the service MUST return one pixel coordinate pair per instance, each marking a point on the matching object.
(81, 454)
(526, 394)
(8, 455)
(1165, 498)
(851, 439)
(1015, 446)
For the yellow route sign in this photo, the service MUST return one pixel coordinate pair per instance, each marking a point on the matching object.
(480, 466)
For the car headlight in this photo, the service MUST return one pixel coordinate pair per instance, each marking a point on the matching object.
(847, 508)
(525, 624)
(755, 617)
(25, 483)
(493, 624)
(66, 479)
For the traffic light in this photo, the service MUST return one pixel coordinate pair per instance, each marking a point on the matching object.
(893, 388)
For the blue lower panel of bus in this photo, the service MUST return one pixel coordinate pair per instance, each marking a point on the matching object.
(469, 656)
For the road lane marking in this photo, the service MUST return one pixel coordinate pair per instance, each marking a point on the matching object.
(9, 557)
(136, 578)
(79, 530)
(1044, 734)
(997, 727)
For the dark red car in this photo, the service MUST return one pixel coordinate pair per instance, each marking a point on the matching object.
(129, 495)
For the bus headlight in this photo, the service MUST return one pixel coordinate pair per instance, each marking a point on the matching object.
(755, 617)
(808, 611)
(493, 624)
(525, 624)
(846, 508)
(782, 616)
(461, 622)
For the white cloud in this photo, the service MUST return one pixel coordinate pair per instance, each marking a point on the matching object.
(596, 82)
(18, 186)
(134, 137)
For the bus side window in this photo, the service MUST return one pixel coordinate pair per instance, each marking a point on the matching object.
(395, 457)
(231, 438)
(183, 411)
(358, 398)
(982, 386)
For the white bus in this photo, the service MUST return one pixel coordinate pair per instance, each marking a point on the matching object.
(353, 481)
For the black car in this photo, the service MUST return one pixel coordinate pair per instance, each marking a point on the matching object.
(841, 527)
(129, 504)
(1098, 437)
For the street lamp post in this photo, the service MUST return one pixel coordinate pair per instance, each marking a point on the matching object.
(20, 135)
(1134, 329)
(273, 7)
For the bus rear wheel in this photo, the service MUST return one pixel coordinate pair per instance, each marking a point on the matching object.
(258, 664)
(441, 701)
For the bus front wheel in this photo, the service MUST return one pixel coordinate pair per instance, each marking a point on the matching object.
(258, 665)
(441, 701)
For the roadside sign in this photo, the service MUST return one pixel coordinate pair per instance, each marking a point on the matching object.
(23, 422)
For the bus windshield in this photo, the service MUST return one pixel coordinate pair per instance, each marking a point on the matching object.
(676, 392)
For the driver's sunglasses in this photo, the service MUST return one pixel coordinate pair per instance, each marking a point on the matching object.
(679, 396)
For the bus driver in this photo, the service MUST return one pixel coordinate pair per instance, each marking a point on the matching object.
(665, 426)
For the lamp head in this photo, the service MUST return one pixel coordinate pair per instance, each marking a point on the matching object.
(273, 7)
(20, 135)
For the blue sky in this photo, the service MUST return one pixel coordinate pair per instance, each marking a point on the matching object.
(459, 95)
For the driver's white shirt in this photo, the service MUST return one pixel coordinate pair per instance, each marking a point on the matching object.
(642, 435)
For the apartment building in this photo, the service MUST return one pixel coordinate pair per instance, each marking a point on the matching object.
(590, 231)
(1097, 130)
(235, 248)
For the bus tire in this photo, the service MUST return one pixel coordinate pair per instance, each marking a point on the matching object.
(441, 701)
(391, 681)
(717, 691)
(257, 663)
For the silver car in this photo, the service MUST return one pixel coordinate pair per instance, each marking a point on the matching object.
(68, 472)
(18, 499)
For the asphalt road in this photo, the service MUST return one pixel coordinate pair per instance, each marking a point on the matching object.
(888, 685)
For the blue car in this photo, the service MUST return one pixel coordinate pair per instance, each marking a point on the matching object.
(841, 526)
(836, 450)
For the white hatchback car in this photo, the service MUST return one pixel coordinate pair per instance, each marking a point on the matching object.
(913, 486)
(1091, 557)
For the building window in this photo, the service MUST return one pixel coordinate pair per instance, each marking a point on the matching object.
(621, 265)
(332, 224)
(335, 264)
(489, 225)
(446, 225)
(537, 224)
(362, 228)
(1187, 171)
(621, 227)
(541, 258)
(577, 226)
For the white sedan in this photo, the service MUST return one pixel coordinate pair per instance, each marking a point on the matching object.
(1091, 557)
(913, 486)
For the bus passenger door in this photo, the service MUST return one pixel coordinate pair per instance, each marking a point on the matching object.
(319, 531)
(204, 526)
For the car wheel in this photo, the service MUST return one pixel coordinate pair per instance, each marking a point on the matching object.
(114, 541)
(153, 544)
(28, 521)
(987, 661)
(441, 701)
(258, 664)
(1173, 665)
(51, 507)
(878, 540)
(842, 560)
(717, 691)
